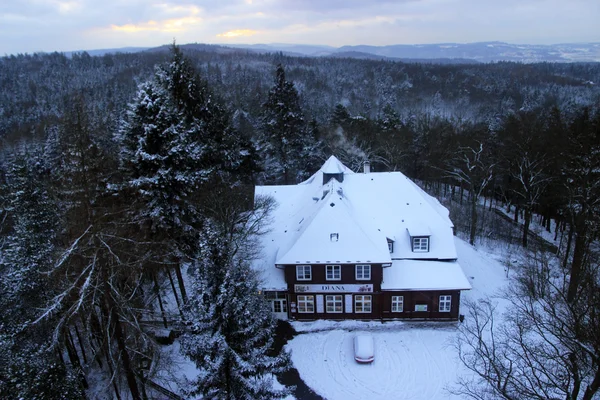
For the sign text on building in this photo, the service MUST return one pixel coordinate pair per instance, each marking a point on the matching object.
(339, 288)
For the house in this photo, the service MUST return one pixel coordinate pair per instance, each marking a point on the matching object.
(372, 245)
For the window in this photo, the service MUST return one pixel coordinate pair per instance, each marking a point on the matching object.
(303, 273)
(445, 302)
(333, 303)
(420, 244)
(306, 304)
(363, 272)
(397, 303)
(279, 306)
(390, 246)
(362, 304)
(333, 272)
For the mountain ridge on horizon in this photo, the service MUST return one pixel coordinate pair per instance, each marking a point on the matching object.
(477, 52)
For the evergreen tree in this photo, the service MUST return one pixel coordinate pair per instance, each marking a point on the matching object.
(230, 327)
(29, 365)
(283, 141)
(176, 140)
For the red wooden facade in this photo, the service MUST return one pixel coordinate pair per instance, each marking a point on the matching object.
(362, 299)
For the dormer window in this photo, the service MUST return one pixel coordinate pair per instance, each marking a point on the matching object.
(390, 243)
(339, 176)
(419, 237)
(334, 237)
(420, 244)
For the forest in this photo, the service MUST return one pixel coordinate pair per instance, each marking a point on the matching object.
(126, 199)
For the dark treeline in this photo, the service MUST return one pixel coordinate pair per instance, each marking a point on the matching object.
(126, 192)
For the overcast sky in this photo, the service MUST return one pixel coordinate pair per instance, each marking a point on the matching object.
(63, 25)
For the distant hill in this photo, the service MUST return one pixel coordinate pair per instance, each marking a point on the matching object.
(370, 56)
(489, 51)
(101, 52)
(443, 53)
(451, 52)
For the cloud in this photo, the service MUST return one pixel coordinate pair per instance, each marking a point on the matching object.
(238, 33)
(183, 17)
(31, 25)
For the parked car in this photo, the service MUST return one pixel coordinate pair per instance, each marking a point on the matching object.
(364, 351)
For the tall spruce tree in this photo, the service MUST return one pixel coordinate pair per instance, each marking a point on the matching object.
(284, 141)
(230, 327)
(175, 140)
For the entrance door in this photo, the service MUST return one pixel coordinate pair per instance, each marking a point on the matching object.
(279, 308)
(278, 302)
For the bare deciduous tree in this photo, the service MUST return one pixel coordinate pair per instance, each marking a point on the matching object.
(473, 168)
(544, 347)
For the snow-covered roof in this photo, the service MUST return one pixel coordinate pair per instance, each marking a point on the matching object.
(418, 229)
(330, 233)
(424, 275)
(334, 166)
(350, 221)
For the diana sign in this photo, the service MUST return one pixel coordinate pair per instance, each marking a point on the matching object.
(340, 288)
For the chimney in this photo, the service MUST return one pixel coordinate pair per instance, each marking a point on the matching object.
(367, 167)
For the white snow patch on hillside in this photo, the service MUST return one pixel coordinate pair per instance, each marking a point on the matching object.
(413, 360)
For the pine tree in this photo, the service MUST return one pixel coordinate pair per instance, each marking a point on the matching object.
(176, 140)
(230, 327)
(29, 365)
(283, 140)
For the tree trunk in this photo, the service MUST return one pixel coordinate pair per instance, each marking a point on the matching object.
(517, 210)
(568, 249)
(181, 284)
(124, 354)
(80, 343)
(593, 387)
(159, 299)
(473, 221)
(526, 222)
(174, 292)
(577, 264)
(113, 380)
(74, 358)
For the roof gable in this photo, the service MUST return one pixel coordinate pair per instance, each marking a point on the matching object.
(368, 209)
(331, 234)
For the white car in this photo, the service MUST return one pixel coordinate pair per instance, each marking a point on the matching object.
(364, 351)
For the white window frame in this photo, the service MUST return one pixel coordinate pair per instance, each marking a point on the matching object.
(362, 276)
(303, 302)
(420, 244)
(282, 303)
(301, 272)
(333, 269)
(364, 301)
(445, 304)
(336, 302)
(397, 303)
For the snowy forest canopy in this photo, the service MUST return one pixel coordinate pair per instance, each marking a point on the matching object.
(35, 88)
(117, 170)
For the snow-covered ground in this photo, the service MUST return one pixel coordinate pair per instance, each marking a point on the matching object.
(413, 360)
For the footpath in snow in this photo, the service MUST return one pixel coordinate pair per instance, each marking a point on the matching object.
(413, 360)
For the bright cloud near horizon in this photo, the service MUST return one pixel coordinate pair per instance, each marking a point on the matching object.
(28, 26)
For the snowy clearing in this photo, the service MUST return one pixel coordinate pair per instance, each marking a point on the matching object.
(413, 360)
(411, 363)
